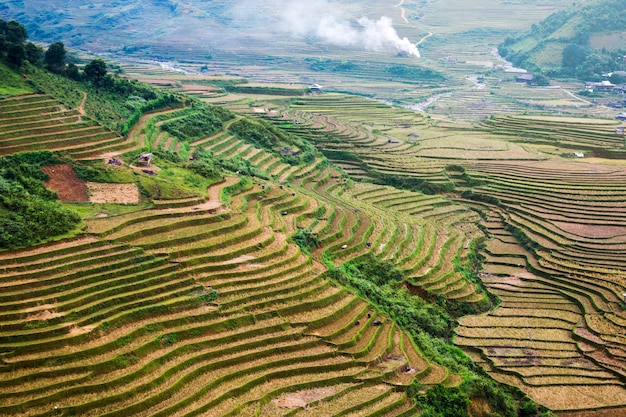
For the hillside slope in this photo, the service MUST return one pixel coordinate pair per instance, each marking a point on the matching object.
(242, 281)
(585, 41)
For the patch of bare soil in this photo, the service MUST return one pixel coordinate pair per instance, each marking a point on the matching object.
(65, 182)
(43, 315)
(239, 259)
(301, 399)
(76, 330)
(198, 87)
(478, 407)
(113, 193)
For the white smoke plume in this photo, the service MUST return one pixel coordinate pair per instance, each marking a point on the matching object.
(319, 18)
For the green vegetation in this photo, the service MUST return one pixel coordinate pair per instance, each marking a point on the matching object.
(93, 170)
(306, 240)
(379, 281)
(11, 84)
(576, 35)
(213, 298)
(198, 121)
(29, 213)
(292, 149)
(430, 326)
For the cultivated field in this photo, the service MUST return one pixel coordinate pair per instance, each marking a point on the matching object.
(554, 225)
(197, 302)
(203, 306)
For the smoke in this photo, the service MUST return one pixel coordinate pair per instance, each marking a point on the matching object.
(320, 19)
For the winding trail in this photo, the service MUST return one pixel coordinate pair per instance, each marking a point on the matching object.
(424, 38)
(81, 106)
(403, 11)
(576, 97)
(134, 136)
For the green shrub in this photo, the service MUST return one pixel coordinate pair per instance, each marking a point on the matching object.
(306, 240)
(203, 120)
(444, 402)
(29, 213)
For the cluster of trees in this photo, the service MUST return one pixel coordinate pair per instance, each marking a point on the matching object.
(29, 213)
(55, 61)
(579, 58)
(200, 121)
(14, 50)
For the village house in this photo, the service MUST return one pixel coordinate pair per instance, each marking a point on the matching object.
(144, 159)
(526, 78)
(315, 88)
(600, 86)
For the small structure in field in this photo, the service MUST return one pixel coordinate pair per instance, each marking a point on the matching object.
(526, 78)
(315, 88)
(619, 130)
(621, 116)
(144, 159)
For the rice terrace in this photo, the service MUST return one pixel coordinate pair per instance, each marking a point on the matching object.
(323, 208)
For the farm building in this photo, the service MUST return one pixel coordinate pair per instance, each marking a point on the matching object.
(315, 88)
(144, 159)
(526, 78)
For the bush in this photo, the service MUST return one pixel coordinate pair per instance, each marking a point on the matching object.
(306, 240)
(444, 402)
(203, 120)
(29, 213)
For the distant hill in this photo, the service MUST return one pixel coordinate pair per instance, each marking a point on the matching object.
(584, 41)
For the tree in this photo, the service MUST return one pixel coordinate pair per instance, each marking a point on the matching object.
(541, 80)
(55, 57)
(3, 44)
(16, 55)
(71, 72)
(573, 56)
(33, 53)
(15, 32)
(95, 71)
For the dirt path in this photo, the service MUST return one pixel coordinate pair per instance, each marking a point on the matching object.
(81, 106)
(576, 97)
(402, 11)
(424, 38)
(135, 131)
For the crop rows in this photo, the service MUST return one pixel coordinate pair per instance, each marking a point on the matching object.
(123, 322)
(37, 122)
(557, 236)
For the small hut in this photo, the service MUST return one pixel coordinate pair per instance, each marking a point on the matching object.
(315, 88)
(144, 159)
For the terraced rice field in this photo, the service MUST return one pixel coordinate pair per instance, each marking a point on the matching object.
(120, 321)
(205, 307)
(556, 234)
(36, 122)
(124, 319)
